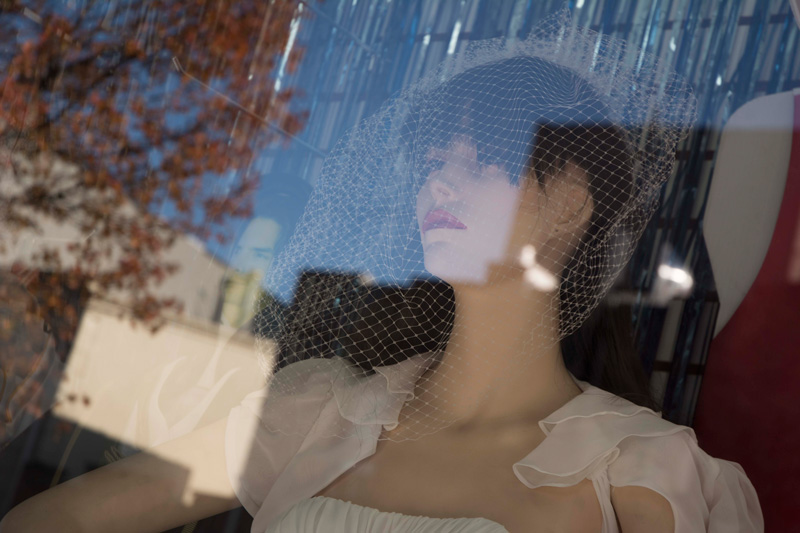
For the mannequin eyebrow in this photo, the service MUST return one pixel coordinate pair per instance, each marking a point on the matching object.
(434, 154)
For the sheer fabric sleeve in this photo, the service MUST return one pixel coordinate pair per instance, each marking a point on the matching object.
(616, 443)
(282, 448)
(706, 494)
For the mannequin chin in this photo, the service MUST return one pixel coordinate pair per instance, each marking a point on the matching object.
(469, 267)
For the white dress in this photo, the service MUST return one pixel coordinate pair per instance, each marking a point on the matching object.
(596, 436)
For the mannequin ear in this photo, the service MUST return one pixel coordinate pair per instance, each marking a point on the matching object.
(569, 202)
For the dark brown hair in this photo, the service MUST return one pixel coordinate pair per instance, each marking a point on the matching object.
(600, 351)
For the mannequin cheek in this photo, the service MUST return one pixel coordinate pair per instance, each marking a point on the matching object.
(487, 242)
(524, 230)
(424, 203)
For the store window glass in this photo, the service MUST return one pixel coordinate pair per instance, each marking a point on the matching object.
(219, 210)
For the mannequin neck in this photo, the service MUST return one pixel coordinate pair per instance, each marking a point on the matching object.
(503, 361)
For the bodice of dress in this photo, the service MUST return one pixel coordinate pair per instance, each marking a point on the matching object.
(596, 436)
(320, 513)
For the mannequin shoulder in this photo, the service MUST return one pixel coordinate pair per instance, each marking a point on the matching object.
(763, 112)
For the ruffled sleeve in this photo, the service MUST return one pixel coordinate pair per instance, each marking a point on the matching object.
(615, 443)
(287, 442)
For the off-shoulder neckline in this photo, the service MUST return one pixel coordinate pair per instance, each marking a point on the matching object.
(337, 501)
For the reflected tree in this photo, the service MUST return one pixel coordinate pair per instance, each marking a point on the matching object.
(123, 126)
(134, 123)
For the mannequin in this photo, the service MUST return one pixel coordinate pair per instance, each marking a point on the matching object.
(752, 222)
(251, 259)
(746, 194)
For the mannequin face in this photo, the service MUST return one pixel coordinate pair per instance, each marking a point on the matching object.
(256, 247)
(472, 218)
(466, 213)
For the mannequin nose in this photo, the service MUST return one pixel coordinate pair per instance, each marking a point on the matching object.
(442, 192)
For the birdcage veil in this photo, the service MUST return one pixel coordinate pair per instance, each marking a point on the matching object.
(370, 312)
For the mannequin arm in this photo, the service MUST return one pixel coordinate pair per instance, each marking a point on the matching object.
(172, 484)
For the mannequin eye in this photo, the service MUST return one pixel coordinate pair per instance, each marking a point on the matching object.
(433, 163)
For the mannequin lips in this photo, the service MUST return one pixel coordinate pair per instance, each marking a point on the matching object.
(441, 219)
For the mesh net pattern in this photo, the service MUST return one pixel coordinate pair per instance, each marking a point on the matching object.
(428, 194)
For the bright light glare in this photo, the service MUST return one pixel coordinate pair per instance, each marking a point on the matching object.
(454, 38)
(527, 257)
(535, 275)
(541, 279)
(676, 275)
